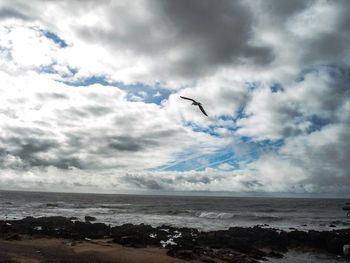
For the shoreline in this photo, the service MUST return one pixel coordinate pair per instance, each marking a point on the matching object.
(243, 244)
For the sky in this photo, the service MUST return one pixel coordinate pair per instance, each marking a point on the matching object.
(90, 96)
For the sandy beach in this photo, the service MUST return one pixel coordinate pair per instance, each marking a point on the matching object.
(35, 250)
(47, 249)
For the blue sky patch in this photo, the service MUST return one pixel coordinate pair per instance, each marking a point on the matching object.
(256, 148)
(49, 69)
(190, 161)
(317, 123)
(46, 69)
(252, 85)
(148, 94)
(55, 38)
(89, 81)
(196, 128)
(276, 88)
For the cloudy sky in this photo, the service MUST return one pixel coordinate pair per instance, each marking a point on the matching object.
(89, 96)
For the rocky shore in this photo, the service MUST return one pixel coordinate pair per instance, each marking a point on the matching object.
(236, 244)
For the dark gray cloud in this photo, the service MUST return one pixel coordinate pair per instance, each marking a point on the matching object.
(331, 47)
(252, 184)
(97, 111)
(142, 182)
(326, 161)
(33, 148)
(129, 143)
(320, 28)
(212, 33)
(203, 34)
(37, 148)
(12, 13)
(172, 181)
(27, 146)
(315, 163)
(197, 179)
(91, 111)
(46, 96)
(149, 140)
(285, 9)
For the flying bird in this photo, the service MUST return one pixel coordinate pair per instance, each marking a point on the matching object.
(196, 103)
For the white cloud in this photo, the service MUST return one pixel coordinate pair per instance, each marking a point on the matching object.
(46, 123)
(129, 46)
(272, 115)
(306, 24)
(225, 167)
(226, 55)
(309, 163)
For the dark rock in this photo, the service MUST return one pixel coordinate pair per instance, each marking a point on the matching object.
(186, 254)
(274, 254)
(237, 244)
(139, 235)
(298, 236)
(13, 237)
(90, 218)
(132, 241)
(6, 227)
(335, 245)
(172, 251)
(96, 230)
(52, 226)
(59, 227)
(318, 239)
(332, 225)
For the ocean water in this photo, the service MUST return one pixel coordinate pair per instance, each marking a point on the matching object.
(205, 213)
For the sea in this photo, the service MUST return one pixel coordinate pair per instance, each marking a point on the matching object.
(201, 212)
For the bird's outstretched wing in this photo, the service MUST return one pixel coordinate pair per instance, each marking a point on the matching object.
(185, 98)
(201, 108)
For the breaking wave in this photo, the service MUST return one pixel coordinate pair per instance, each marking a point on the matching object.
(215, 215)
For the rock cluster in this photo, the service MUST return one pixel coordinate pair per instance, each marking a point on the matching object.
(236, 244)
